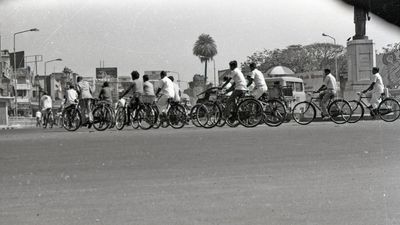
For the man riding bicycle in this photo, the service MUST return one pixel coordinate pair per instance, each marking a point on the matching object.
(329, 89)
(239, 86)
(258, 78)
(377, 89)
(137, 89)
(46, 104)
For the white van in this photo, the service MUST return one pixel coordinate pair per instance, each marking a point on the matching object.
(293, 88)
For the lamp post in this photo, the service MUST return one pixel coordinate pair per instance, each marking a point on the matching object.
(45, 64)
(336, 66)
(15, 67)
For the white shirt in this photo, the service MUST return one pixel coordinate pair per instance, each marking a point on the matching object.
(378, 87)
(238, 78)
(148, 88)
(330, 82)
(167, 87)
(177, 98)
(38, 114)
(258, 79)
(47, 103)
(85, 89)
(227, 86)
(71, 96)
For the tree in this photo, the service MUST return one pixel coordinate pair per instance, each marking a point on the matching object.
(300, 58)
(205, 48)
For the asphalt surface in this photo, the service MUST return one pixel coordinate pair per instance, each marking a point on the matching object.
(317, 174)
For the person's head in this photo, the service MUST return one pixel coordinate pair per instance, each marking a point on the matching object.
(145, 77)
(163, 74)
(225, 78)
(232, 64)
(44, 93)
(327, 71)
(106, 84)
(375, 70)
(171, 78)
(252, 66)
(135, 75)
(79, 79)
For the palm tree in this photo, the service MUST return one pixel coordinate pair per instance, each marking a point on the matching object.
(205, 48)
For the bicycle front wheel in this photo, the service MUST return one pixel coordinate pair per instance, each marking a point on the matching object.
(357, 111)
(101, 118)
(274, 113)
(389, 110)
(147, 117)
(303, 113)
(340, 111)
(120, 118)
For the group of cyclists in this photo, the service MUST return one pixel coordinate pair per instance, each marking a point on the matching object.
(235, 87)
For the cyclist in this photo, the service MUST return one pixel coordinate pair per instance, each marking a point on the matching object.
(148, 90)
(239, 86)
(137, 89)
(256, 77)
(106, 93)
(46, 104)
(165, 90)
(328, 90)
(71, 96)
(177, 90)
(85, 92)
(377, 89)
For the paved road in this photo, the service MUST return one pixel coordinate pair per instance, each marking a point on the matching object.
(317, 174)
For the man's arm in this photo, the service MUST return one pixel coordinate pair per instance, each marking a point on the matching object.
(226, 82)
(323, 87)
(126, 91)
(231, 88)
(158, 91)
(369, 88)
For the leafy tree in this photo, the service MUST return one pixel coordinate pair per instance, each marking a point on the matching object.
(300, 58)
(205, 48)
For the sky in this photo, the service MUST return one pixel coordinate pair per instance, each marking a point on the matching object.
(159, 34)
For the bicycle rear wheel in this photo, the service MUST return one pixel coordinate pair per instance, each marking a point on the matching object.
(250, 113)
(120, 118)
(147, 117)
(208, 115)
(303, 113)
(101, 118)
(340, 111)
(193, 115)
(274, 113)
(71, 119)
(176, 116)
(357, 111)
(389, 110)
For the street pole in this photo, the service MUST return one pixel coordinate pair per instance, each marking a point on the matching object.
(15, 68)
(215, 81)
(336, 66)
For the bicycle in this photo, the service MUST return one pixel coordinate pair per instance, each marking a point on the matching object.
(275, 112)
(175, 116)
(71, 117)
(48, 118)
(142, 116)
(388, 110)
(304, 112)
(102, 115)
(209, 112)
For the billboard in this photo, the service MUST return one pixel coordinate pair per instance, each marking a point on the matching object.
(106, 73)
(19, 57)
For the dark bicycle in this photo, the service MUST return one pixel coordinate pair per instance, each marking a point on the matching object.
(388, 110)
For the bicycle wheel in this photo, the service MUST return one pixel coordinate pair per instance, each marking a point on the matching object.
(193, 115)
(176, 116)
(134, 116)
(208, 115)
(120, 118)
(250, 113)
(146, 117)
(71, 119)
(357, 111)
(274, 113)
(303, 113)
(340, 111)
(389, 110)
(230, 116)
(221, 122)
(101, 118)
